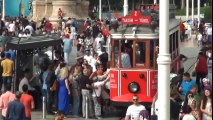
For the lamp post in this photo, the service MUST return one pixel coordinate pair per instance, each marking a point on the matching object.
(164, 62)
(187, 9)
(100, 9)
(3, 10)
(125, 7)
(198, 11)
(192, 10)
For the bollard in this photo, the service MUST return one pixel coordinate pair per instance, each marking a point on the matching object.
(44, 107)
(87, 116)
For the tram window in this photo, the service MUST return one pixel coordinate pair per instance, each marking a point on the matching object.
(152, 52)
(177, 45)
(140, 53)
(170, 44)
(173, 39)
(116, 50)
(177, 42)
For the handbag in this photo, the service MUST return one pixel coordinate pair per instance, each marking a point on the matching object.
(55, 85)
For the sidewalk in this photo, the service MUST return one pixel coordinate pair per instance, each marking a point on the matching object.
(37, 115)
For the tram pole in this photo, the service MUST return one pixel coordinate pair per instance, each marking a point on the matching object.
(125, 7)
(187, 9)
(100, 9)
(193, 10)
(164, 61)
(198, 11)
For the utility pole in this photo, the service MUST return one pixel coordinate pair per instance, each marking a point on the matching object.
(164, 61)
(187, 9)
(3, 10)
(198, 11)
(100, 10)
(126, 7)
(192, 10)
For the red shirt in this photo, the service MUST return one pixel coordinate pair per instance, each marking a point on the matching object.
(28, 101)
(182, 27)
(202, 65)
(48, 26)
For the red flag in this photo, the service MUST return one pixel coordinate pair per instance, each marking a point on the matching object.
(106, 32)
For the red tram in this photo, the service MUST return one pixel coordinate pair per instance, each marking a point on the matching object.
(142, 77)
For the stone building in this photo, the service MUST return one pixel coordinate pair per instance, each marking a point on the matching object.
(49, 9)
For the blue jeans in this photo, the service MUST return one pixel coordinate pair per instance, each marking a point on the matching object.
(76, 102)
(210, 39)
(6, 81)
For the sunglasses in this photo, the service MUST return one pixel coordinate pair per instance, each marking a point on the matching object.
(135, 99)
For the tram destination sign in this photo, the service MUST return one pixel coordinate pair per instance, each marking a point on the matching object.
(136, 18)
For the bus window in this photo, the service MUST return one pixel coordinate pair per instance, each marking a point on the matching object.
(152, 53)
(140, 56)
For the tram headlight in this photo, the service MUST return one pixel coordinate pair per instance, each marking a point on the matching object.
(133, 87)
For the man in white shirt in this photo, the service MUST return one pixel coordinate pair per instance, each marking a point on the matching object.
(88, 56)
(30, 28)
(209, 33)
(134, 110)
(98, 43)
(25, 80)
(12, 28)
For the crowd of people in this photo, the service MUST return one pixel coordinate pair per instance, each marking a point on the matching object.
(67, 87)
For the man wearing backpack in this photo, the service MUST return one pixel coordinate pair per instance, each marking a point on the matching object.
(133, 111)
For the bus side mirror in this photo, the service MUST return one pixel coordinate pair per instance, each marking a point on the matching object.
(124, 75)
(141, 76)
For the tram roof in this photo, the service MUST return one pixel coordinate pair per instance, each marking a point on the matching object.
(142, 30)
(33, 42)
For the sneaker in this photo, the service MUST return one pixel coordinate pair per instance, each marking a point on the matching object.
(99, 118)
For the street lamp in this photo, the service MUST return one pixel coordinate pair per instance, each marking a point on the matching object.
(164, 61)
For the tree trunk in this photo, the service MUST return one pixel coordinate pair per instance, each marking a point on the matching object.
(183, 4)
